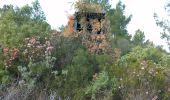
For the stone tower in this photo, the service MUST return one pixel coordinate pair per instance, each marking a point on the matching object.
(90, 24)
(93, 28)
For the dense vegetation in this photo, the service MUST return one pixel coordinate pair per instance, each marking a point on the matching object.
(38, 63)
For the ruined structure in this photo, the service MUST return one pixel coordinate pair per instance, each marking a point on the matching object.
(90, 19)
(89, 23)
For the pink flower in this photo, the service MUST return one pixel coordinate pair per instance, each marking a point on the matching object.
(49, 48)
(5, 50)
(32, 41)
(169, 90)
(48, 43)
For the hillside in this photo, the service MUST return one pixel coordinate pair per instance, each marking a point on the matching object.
(93, 57)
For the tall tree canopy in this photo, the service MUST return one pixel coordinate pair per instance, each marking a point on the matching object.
(118, 21)
(139, 37)
(18, 23)
(164, 24)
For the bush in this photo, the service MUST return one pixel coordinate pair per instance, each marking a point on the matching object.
(140, 77)
(102, 88)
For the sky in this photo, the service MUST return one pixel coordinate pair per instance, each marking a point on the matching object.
(142, 12)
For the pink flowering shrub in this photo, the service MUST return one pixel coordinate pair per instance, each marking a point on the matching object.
(10, 54)
(36, 49)
(31, 55)
(140, 78)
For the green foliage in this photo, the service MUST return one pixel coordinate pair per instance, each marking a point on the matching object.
(104, 62)
(101, 87)
(140, 74)
(19, 23)
(164, 24)
(118, 21)
(148, 53)
(37, 73)
(62, 28)
(118, 27)
(4, 74)
(165, 61)
(64, 50)
(139, 38)
(38, 14)
(36, 66)
(104, 59)
(124, 45)
(79, 74)
(1, 59)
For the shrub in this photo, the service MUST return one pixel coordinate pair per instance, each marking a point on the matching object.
(102, 88)
(140, 77)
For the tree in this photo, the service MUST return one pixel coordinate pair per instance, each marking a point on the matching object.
(18, 23)
(118, 21)
(139, 37)
(38, 14)
(164, 24)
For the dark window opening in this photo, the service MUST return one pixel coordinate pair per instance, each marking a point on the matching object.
(98, 32)
(88, 16)
(89, 27)
(79, 27)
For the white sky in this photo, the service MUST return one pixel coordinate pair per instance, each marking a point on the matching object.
(142, 11)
